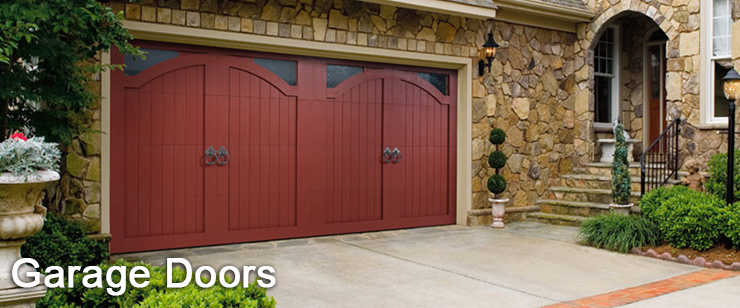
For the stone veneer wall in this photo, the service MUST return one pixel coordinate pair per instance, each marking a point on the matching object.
(77, 194)
(531, 93)
(634, 29)
(680, 20)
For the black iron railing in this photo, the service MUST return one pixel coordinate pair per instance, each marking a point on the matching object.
(659, 162)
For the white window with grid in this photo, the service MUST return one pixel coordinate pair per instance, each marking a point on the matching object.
(718, 61)
(606, 77)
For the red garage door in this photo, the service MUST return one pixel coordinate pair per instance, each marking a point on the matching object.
(219, 146)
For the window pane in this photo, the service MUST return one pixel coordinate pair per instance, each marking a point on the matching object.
(439, 81)
(286, 70)
(336, 74)
(721, 36)
(603, 95)
(153, 56)
(721, 7)
(720, 102)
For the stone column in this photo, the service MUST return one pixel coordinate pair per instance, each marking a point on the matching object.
(21, 215)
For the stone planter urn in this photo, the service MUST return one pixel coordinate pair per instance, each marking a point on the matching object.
(621, 209)
(21, 215)
(497, 211)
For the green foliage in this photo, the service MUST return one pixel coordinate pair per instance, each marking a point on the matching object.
(717, 182)
(497, 159)
(497, 136)
(26, 157)
(619, 232)
(47, 51)
(691, 219)
(651, 203)
(156, 294)
(496, 184)
(621, 180)
(732, 224)
(63, 242)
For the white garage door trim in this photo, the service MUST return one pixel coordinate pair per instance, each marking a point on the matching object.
(233, 40)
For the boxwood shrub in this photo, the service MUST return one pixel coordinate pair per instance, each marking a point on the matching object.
(155, 294)
(64, 242)
(732, 224)
(691, 219)
(717, 181)
(497, 159)
(650, 203)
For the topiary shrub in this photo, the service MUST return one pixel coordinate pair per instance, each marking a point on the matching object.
(717, 182)
(496, 184)
(63, 242)
(497, 136)
(497, 159)
(621, 180)
(619, 232)
(155, 294)
(691, 219)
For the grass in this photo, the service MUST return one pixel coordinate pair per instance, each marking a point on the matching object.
(619, 232)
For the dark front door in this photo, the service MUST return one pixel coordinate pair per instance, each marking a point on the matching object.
(655, 82)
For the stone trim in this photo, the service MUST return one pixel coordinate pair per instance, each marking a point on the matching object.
(698, 261)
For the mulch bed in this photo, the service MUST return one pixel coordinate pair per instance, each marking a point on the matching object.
(727, 256)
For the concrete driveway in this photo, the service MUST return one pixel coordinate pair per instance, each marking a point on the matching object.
(524, 265)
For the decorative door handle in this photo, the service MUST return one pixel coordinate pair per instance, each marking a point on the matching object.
(387, 155)
(211, 156)
(222, 152)
(396, 156)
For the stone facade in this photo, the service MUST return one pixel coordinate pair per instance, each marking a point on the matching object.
(530, 92)
(77, 194)
(540, 89)
(680, 20)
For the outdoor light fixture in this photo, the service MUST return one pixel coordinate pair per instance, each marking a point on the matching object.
(731, 87)
(489, 47)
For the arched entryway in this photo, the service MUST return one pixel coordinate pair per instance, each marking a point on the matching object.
(629, 59)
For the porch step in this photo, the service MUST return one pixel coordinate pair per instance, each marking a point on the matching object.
(592, 195)
(605, 169)
(572, 208)
(603, 181)
(556, 219)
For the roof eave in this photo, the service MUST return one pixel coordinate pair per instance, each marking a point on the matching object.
(444, 7)
(540, 14)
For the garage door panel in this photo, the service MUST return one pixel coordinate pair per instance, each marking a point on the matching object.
(302, 163)
(353, 162)
(262, 170)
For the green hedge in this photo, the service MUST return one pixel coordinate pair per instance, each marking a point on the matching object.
(732, 224)
(693, 219)
(63, 242)
(717, 181)
(619, 232)
(650, 203)
(155, 294)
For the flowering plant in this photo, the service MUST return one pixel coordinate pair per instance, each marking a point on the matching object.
(24, 156)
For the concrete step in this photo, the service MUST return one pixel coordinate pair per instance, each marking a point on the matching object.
(572, 208)
(602, 181)
(591, 195)
(556, 219)
(606, 169)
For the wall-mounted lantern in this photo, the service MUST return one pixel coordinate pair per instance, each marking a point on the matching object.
(731, 87)
(489, 48)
